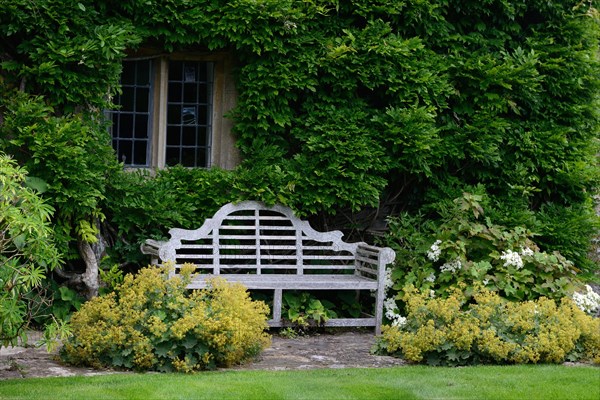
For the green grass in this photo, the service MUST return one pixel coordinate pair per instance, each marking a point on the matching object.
(415, 382)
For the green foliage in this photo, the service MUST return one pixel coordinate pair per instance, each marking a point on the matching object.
(27, 249)
(141, 207)
(71, 154)
(469, 249)
(303, 308)
(489, 329)
(68, 52)
(341, 106)
(65, 302)
(112, 277)
(154, 323)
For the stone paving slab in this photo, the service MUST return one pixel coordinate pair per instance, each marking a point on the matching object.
(344, 349)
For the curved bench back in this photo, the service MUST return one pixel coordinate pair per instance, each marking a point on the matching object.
(249, 237)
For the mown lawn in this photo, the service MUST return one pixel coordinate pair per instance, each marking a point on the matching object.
(415, 382)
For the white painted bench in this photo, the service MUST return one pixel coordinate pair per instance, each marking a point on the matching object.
(270, 248)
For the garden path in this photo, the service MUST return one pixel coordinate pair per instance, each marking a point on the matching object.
(337, 349)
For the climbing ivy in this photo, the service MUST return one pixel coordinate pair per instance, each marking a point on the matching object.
(344, 106)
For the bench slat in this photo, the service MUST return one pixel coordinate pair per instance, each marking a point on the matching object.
(300, 282)
(365, 259)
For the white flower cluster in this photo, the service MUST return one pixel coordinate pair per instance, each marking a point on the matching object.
(434, 251)
(526, 252)
(451, 266)
(512, 258)
(430, 278)
(391, 313)
(589, 301)
(389, 304)
(387, 281)
(289, 25)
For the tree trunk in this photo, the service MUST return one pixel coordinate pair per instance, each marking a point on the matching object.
(90, 278)
(92, 253)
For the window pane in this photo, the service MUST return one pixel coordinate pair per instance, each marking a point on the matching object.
(201, 156)
(188, 157)
(188, 115)
(128, 73)
(189, 136)
(173, 115)
(142, 99)
(174, 92)
(126, 99)
(125, 126)
(140, 151)
(173, 136)
(124, 151)
(175, 68)
(189, 93)
(143, 73)
(172, 156)
(203, 115)
(141, 126)
(202, 137)
(189, 72)
(203, 93)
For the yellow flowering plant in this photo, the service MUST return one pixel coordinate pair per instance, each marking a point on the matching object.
(152, 322)
(482, 327)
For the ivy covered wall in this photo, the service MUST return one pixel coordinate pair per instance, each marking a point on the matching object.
(343, 105)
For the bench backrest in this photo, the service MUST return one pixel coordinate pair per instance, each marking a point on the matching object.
(249, 237)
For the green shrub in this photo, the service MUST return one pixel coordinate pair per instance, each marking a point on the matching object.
(141, 206)
(153, 323)
(454, 331)
(467, 247)
(27, 248)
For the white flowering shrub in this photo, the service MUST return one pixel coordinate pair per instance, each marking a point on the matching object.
(468, 249)
(589, 301)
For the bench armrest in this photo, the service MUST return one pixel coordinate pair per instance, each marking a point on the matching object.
(151, 247)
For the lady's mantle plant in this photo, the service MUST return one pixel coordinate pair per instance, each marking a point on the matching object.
(154, 323)
(482, 327)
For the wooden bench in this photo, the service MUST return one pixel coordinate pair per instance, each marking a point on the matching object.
(270, 248)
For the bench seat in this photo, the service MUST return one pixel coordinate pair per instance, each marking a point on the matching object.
(298, 282)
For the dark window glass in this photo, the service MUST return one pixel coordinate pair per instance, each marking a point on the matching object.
(174, 92)
(173, 115)
(140, 152)
(173, 136)
(125, 126)
(173, 157)
(189, 108)
(190, 93)
(143, 74)
(131, 130)
(141, 127)
(142, 99)
(126, 99)
(189, 136)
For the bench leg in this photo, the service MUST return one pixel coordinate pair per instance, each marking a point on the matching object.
(379, 311)
(277, 306)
